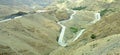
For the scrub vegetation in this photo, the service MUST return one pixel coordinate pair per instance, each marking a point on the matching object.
(79, 8)
(74, 29)
(93, 36)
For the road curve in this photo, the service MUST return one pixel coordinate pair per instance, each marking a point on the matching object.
(42, 11)
(97, 18)
(60, 40)
(10, 19)
(61, 37)
(5, 20)
(79, 34)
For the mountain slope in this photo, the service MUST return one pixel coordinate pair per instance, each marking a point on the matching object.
(109, 45)
(107, 26)
(33, 34)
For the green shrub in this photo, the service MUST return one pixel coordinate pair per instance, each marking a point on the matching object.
(93, 36)
(79, 8)
(57, 38)
(102, 12)
(74, 29)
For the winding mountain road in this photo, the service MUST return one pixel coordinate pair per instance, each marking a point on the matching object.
(61, 36)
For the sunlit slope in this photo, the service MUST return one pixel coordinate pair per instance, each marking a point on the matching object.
(33, 34)
(109, 45)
